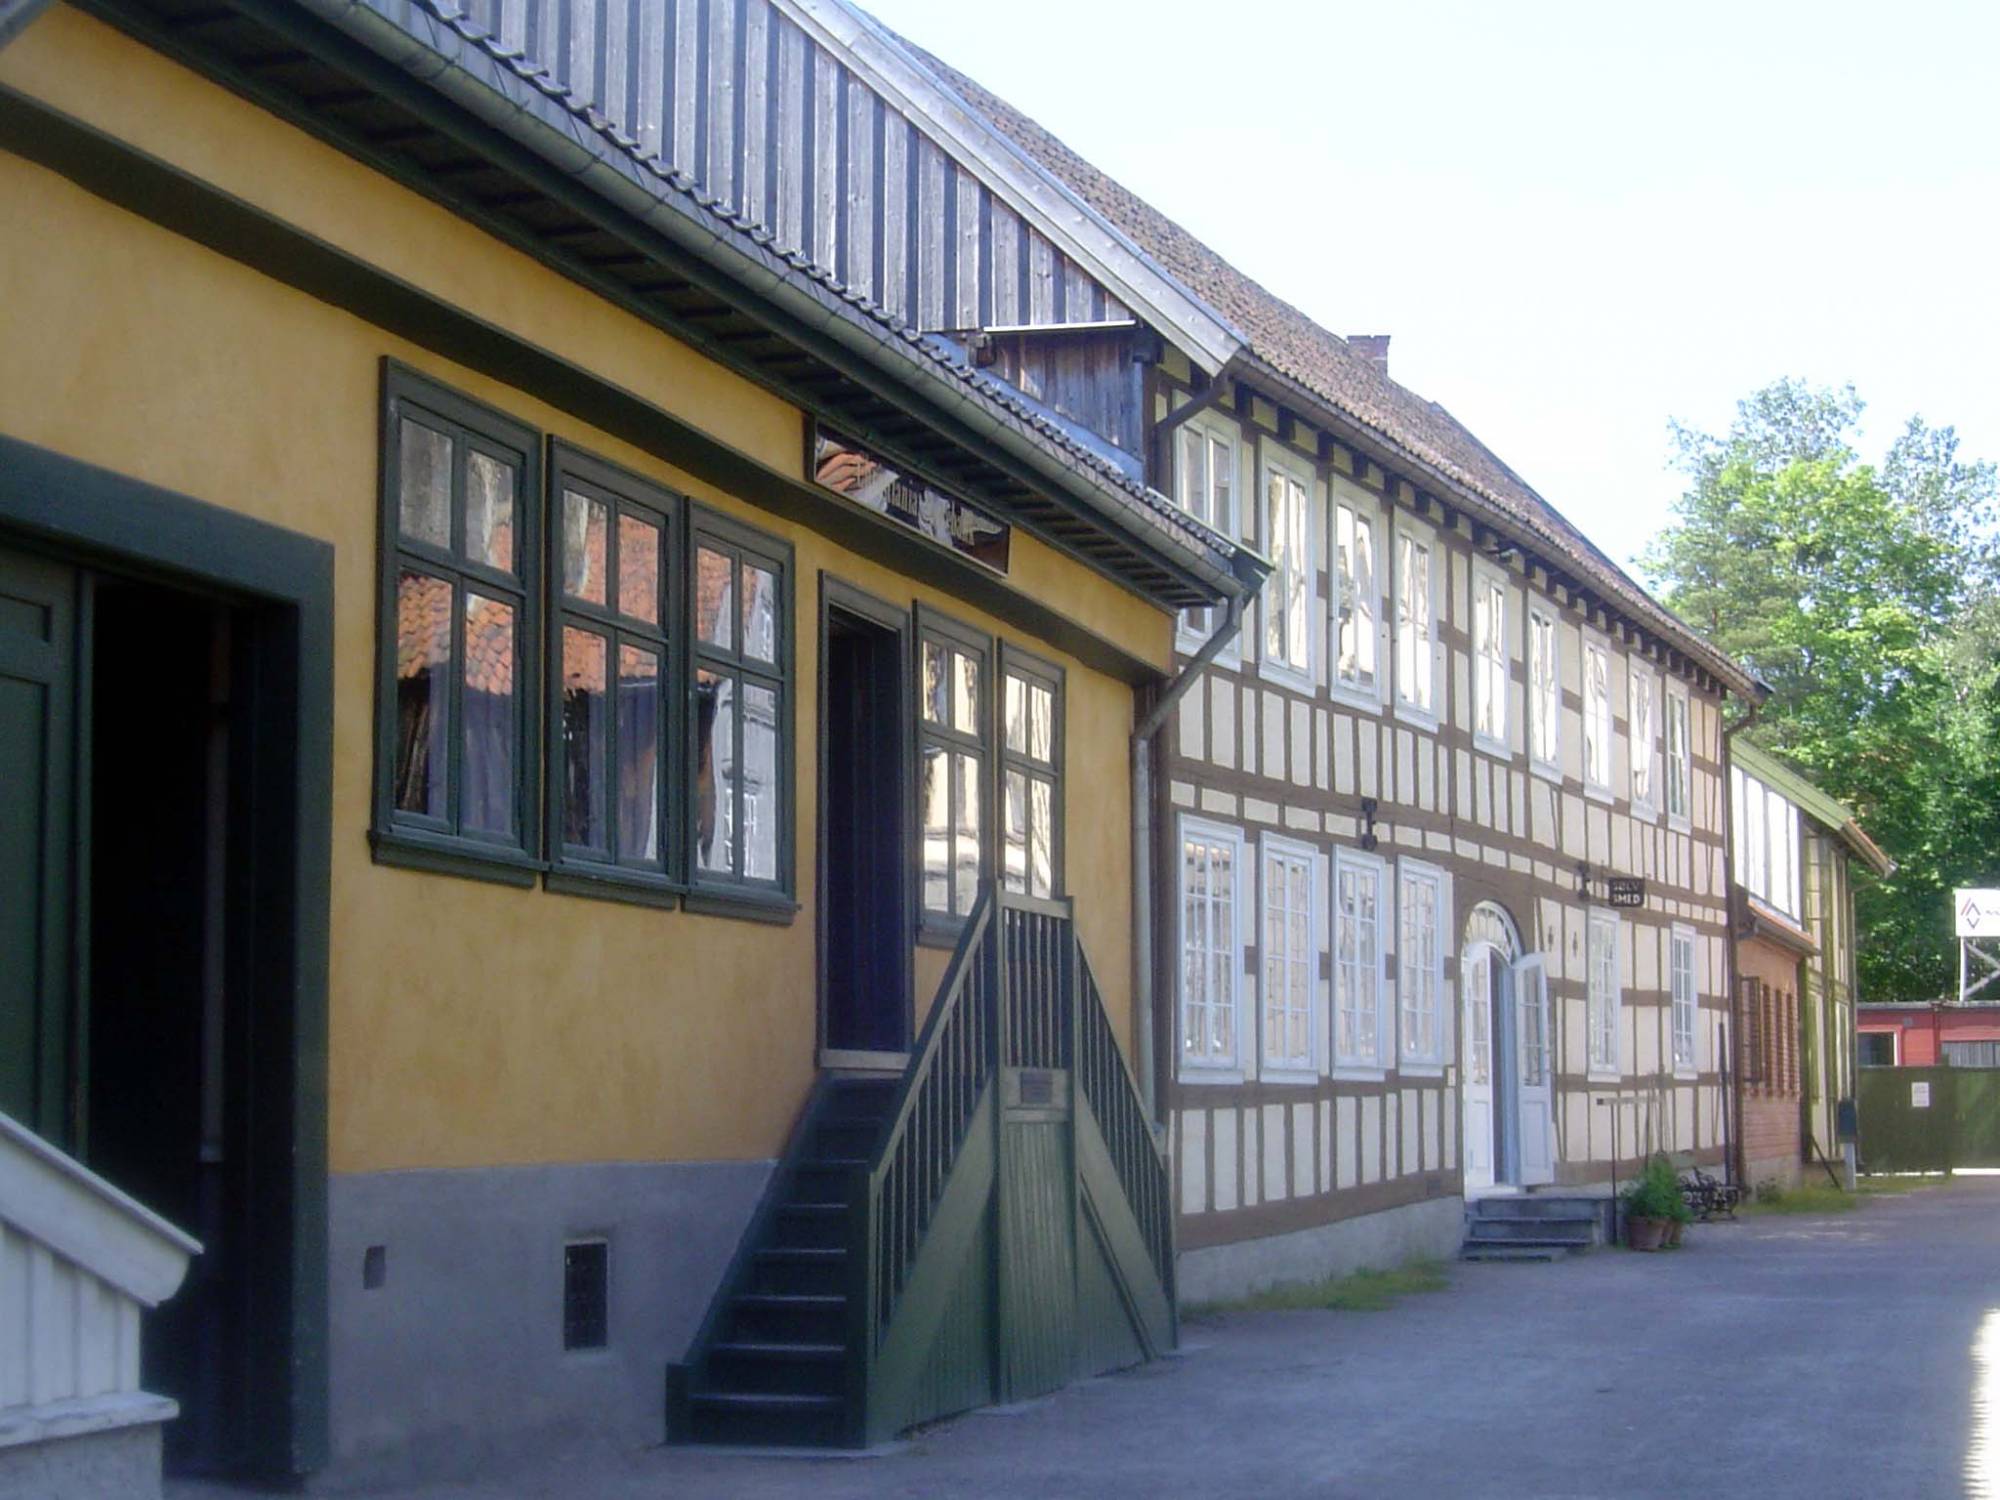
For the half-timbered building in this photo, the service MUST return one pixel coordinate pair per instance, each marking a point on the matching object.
(1437, 905)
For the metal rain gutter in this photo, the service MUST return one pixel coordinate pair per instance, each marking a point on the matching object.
(1252, 571)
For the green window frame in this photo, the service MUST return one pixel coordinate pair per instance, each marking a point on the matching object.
(615, 636)
(457, 724)
(1031, 813)
(954, 770)
(739, 735)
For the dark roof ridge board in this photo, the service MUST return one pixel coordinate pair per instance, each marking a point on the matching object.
(1374, 399)
(451, 54)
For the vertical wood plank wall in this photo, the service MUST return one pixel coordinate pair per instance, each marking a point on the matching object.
(736, 96)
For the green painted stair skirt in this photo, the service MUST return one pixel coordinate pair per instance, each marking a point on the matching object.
(988, 1227)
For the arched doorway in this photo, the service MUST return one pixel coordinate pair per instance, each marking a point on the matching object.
(1507, 1126)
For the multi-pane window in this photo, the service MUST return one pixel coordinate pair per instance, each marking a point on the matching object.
(738, 585)
(1596, 715)
(1765, 828)
(1605, 997)
(1679, 756)
(1211, 956)
(668, 758)
(1290, 960)
(1288, 594)
(953, 743)
(1489, 658)
(1420, 956)
(1205, 487)
(1356, 602)
(1415, 630)
(1644, 692)
(1544, 691)
(1030, 774)
(461, 621)
(612, 710)
(1680, 988)
(1357, 961)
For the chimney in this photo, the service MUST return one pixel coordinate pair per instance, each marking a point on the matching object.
(1373, 347)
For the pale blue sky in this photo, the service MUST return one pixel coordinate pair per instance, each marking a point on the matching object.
(1576, 220)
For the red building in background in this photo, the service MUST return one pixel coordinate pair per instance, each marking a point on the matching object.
(1925, 1035)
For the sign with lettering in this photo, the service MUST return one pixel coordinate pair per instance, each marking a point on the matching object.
(1624, 890)
(1920, 1096)
(1978, 913)
(854, 472)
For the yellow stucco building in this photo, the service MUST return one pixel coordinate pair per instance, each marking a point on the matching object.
(516, 684)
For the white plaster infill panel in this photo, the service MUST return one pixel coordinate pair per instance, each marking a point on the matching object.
(78, 1260)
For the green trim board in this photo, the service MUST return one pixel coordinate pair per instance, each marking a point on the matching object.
(160, 192)
(284, 582)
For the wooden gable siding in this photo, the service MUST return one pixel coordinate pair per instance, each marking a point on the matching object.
(735, 95)
(1092, 378)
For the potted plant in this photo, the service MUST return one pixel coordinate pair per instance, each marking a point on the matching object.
(1652, 1204)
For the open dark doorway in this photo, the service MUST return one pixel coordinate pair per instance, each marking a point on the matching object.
(170, 1054)
(864, 904)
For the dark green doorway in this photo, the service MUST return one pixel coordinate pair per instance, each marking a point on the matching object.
(130, 722)
(864, 838)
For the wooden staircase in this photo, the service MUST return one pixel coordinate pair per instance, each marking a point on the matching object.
(1535, 1226)
(990, 1225)
(773, 1357)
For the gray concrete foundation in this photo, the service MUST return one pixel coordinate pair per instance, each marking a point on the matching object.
(454, 1364)
(122, 1461)
(1432, 1230)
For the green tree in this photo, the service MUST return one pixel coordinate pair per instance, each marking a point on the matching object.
(1865, 595)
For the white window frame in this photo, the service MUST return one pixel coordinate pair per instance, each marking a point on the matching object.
(1545, 708)
(1414, 1060)
(1684, 999)
(1363, 511)
(1194, 625)
(1643, 756)
(1492, 680)
(1420, 647)
(1274, 462)
(1281, 1067)
(1679, 769)
(1598, 716)
(1374, 990)
(1210, 1067)
(1605, 992)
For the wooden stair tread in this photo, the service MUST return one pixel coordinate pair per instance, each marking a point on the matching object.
(766, 1401)
(754, 1349)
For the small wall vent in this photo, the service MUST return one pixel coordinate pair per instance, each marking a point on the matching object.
(586, 1287)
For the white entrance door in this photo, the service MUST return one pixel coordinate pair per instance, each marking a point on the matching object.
(1535, 1094)
(1476, 1098)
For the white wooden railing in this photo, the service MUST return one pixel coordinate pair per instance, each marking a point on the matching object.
(79, 1261)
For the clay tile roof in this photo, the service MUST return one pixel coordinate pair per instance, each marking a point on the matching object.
(1326, 369)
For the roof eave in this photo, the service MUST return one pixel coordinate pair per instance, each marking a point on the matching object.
(451, 64)
(1388, 450)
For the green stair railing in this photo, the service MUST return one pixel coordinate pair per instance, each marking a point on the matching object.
(1136, 1153)
(952, 1066)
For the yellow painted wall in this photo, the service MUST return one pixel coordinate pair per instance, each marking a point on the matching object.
(471, 1024)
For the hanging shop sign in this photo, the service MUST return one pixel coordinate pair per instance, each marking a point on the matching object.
(855, 472)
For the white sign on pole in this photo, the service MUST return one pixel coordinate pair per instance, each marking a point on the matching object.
(1978, 913)
(1920, 1096)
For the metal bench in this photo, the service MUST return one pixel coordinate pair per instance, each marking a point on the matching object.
(1708, 1198)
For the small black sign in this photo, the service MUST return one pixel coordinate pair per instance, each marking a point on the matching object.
(854, 472)
(1624, 890)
